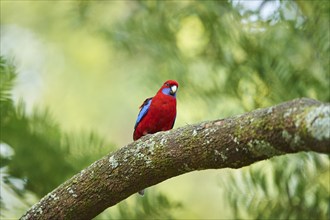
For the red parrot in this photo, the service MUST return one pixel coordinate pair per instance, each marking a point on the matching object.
(157, 113)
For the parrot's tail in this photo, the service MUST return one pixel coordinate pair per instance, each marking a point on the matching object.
(141, 192)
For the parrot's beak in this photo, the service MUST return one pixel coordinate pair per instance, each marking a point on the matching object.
(173, 89)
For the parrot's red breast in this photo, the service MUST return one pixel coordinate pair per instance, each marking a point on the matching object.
(157, 113)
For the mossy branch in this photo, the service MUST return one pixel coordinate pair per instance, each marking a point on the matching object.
(298, 125)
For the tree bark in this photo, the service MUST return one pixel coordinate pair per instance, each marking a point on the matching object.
(298, 125)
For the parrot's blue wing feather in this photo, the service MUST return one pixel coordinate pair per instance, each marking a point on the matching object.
(144, 109)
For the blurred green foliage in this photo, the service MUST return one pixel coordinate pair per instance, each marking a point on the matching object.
(215, 50)
(37, 138)
(290, 187)
(153, 205)
(228, 59)
(43, 155)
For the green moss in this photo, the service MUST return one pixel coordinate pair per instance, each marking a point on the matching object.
(262, 148)
(186, 168)
(250, 129)
(294, 140)
(289, 112)
(286, 135)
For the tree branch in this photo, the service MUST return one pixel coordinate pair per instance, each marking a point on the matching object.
(298, 125)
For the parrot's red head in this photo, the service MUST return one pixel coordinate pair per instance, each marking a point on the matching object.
(169, 88)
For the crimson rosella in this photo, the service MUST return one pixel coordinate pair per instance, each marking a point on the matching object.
(157, 113)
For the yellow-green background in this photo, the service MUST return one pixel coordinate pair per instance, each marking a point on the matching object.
(92, 64)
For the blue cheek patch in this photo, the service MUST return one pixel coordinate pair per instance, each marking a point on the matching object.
(143, 111)
(167, 91)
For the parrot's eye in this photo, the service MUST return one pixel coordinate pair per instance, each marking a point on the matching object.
(167, 84)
